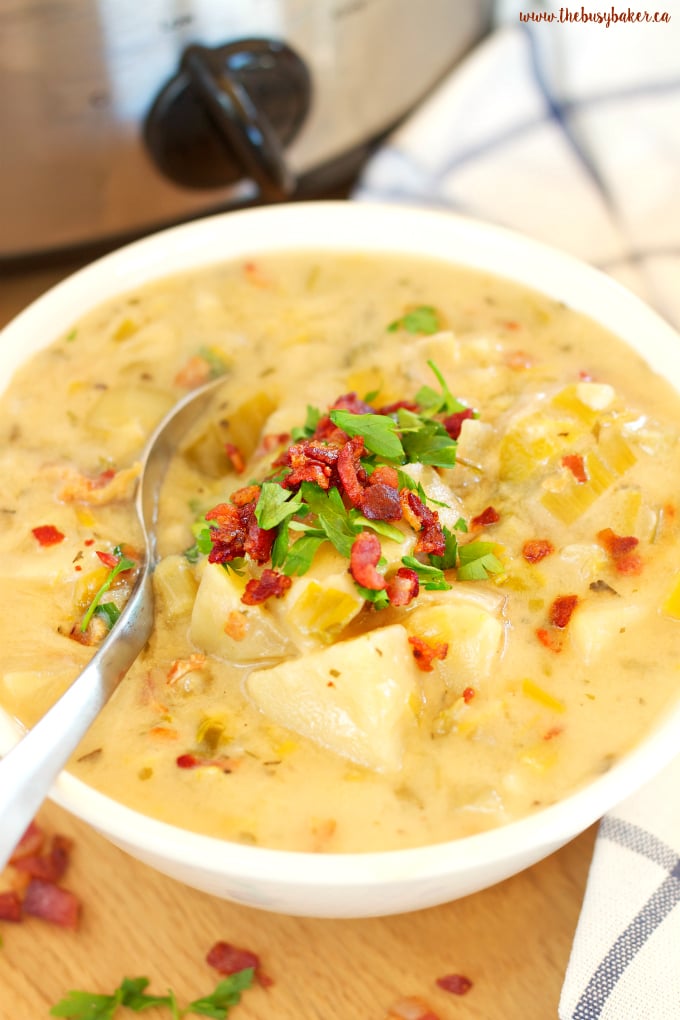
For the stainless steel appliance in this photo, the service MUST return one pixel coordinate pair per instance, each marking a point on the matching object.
(120, 116)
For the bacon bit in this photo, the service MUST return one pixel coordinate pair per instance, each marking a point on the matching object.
(181, 667)
(425, 521)
(272, 441)
(575, 463)
(238, 461)
(49, 867)
(195, 761)
(10, 905)
(310, 462)
(256, 277)
(196, 371)
(425, 652)
(350, 471)
(631, 564)
(364, 558)
(52, 903)
(468, 694)
(381, 503)
(487, 517)
(620, 549)
(271, 583)
(562, 610)
(108, 559)
(454, 422)
(554, 731)
(34, 875)
(457, 984)
(248, 494)
(47, 534)
(553, 640)
(107, 487)
(164, 733)
(403, 587)
(518, 361)
(385, 475)
(353, 403)
(96, 631)
(408, 405)
(235, 626)
(30, 843)
(229, 959)
(411, 1008)
(238, 533)
(322, 833)
(536, 549)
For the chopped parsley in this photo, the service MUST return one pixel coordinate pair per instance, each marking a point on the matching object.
(379, 432)
(203, 543)
(424, 319)
(214, 360)
(131, 994)
(309, 427)
(477, 560)
(123, 564)
(306, 515)
(275, 504)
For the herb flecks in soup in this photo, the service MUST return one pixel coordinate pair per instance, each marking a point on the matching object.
(418, 562)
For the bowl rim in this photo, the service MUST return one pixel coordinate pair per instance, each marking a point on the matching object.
(375, 227)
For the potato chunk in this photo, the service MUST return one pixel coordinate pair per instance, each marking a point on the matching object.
(595, 627)
(222, 625)
(355, 698)
(474, 636)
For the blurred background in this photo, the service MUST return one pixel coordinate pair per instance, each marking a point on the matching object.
(120, 118)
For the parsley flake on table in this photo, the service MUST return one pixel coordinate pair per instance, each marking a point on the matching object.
(131, 994)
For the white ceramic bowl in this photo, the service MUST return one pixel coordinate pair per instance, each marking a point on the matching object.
(367, 884)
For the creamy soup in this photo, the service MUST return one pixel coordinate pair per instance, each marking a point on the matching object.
(418, 561)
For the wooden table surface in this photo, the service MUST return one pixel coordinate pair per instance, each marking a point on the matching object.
(512, 941)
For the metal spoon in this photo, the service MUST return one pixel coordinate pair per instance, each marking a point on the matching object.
(29, 769)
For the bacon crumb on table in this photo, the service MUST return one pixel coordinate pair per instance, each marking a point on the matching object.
(411, 1008)
(35, 872)
(52, 903)
(457, 984)
(229, 959)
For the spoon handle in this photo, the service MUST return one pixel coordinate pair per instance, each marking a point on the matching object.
(29, 769)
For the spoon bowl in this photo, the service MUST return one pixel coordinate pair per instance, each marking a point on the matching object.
(29, 769)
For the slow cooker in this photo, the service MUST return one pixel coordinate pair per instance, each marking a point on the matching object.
(119, 117)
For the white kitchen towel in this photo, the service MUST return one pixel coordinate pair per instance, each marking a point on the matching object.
(565, 124)
(567, 131)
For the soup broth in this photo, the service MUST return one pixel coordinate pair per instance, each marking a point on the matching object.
(419, 561)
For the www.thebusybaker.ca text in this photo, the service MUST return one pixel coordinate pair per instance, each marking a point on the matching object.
(606, 18)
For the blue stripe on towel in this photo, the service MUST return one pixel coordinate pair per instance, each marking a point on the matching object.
(630, 941)
(558, 113)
